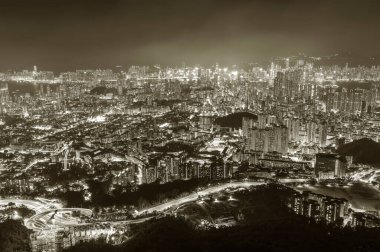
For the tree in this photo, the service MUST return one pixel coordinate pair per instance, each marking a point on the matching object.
(14, 236)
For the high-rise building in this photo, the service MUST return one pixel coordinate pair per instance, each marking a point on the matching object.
(287, 63)
(351, 100)
(322, 134)
(311, 128)
(330, 166)
(295, 129)
(261, 121)
(279, 85)
(293, 125)
(4, 96)
(247, 123)
(333, 209)
(205, 121)
(270, 139)
(287, 85)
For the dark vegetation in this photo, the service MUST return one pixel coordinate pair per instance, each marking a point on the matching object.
(268, 226)
(22, 211)
(364, 151)
(175, 147)
(57, 175)
(101, 90)
(14, 236)
(234, 120)
(13, 120)
(146, 194)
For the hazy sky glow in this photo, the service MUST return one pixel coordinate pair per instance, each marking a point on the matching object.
(69, 34)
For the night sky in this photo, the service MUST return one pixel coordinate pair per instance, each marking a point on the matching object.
(62, 35)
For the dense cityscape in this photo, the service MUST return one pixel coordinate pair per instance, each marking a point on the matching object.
(184, 126)
(90, 153)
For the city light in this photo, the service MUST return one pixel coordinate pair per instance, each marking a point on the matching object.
(97, 119)
(136, 122)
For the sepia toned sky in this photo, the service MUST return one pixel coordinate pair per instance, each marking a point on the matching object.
(65, 35)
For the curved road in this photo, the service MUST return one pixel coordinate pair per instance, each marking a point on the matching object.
(195, 196)
(55, 216)
(50, 215)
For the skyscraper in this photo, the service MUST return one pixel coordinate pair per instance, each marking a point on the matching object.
(247, 123)
(330, 166)
(322, 134)
(311, 128)
(270, 139)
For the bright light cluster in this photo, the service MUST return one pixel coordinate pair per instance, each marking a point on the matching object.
(97, 119)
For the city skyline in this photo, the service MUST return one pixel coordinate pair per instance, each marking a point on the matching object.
(87, 155)
(182, 126)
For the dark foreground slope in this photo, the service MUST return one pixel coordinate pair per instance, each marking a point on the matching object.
(169, 235)
(268, 225)
(14, 236)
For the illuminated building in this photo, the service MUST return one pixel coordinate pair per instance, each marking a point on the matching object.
(279, 87)
(311, 128)
(360, 219)
(318, 206)
(333, 209)
(330, 166)
(287, 85)
(205, 121)
(351, 100)
(322, 134)
(4, 96)
(269, 139)
(294, 126)
(247, 123)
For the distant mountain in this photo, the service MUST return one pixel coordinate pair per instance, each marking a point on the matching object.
(101, 90)
(364, 151)
(352, 59)
(234, 120)
(355, 84)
